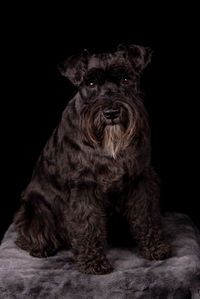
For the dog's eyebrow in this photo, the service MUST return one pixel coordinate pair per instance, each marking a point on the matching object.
(111, 73)
(95, 73)
(112, 70)
(119, 70)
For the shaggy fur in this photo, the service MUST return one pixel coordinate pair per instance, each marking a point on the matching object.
(96, 167)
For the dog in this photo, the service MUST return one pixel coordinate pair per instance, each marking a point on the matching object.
(96, 166)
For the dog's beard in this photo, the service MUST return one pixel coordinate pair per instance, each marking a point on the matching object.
(113, 140)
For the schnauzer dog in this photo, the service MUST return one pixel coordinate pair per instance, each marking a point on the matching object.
(96, 165)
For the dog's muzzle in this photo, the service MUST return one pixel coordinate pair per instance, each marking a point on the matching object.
(111, 113)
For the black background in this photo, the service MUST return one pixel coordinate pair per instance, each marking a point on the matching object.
(34, 95)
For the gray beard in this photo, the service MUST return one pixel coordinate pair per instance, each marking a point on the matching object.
(113, 140)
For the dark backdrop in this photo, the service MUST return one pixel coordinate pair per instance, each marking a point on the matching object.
(35, 39)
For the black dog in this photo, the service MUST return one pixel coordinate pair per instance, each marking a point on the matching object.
(96, 165)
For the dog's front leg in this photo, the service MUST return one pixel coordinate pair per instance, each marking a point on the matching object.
(144, 217)
(87, 232)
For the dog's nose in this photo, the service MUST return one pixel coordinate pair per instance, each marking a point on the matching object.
(111, 113)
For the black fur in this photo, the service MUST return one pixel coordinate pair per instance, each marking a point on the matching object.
(96, 166)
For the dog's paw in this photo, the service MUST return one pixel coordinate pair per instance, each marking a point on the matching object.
(35, 249)
(156, 252)
(95, 266)
(42, 253)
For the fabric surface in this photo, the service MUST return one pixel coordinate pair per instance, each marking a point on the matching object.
(23, 276)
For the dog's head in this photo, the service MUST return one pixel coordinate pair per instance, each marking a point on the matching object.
(108, 88)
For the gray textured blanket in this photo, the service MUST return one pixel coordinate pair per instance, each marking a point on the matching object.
(23, 276)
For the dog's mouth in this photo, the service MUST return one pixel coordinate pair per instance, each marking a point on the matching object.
(112, 115)
(116, 116)
(112, 122)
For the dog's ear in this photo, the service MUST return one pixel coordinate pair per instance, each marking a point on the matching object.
(121, 47)
(74, 67)
(139, 57)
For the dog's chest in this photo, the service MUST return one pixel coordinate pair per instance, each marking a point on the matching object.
(111, 176)
(113, 182)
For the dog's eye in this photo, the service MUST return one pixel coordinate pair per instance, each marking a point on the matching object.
(124, 81)
(92, 84)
